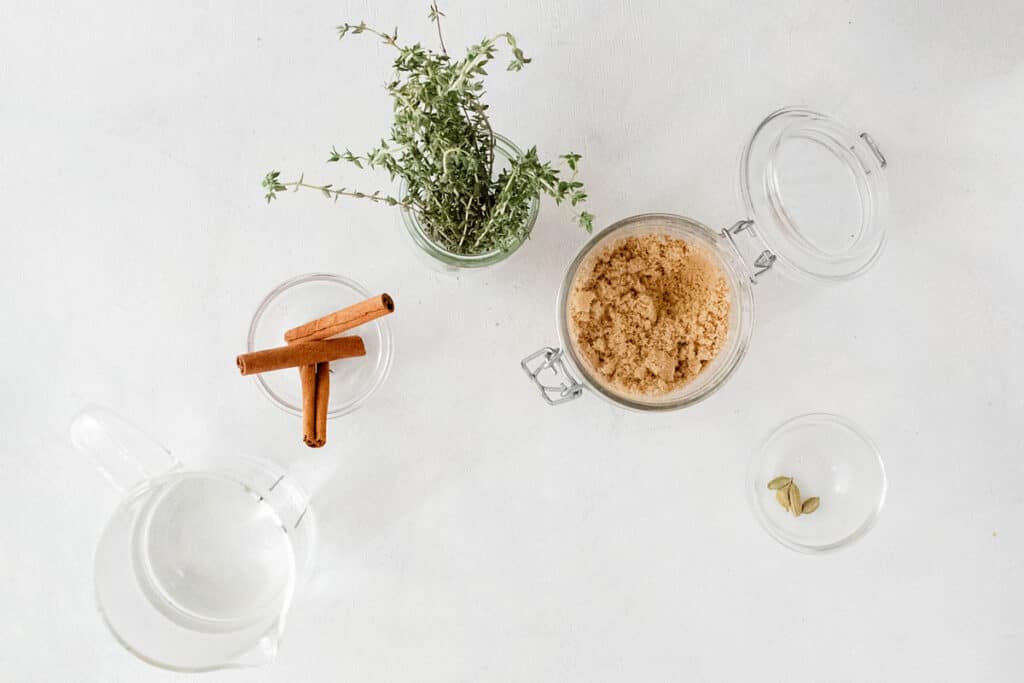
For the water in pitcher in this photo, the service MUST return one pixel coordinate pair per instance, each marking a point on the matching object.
(211, 554)
(196, 568)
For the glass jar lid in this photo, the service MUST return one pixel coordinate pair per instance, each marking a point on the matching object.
(816, 194)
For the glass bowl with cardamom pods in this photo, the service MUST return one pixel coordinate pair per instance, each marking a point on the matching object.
(816, 483)
(656, 311)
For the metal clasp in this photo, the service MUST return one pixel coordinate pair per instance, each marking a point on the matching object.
(873, 146)
(567, 387)
(764, 261)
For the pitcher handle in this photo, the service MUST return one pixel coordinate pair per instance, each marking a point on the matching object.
(122, 452)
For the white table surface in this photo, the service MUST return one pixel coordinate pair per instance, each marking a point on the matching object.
(471, 533)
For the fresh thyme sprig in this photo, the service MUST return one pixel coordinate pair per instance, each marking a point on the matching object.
(443, 147)
(273, 185)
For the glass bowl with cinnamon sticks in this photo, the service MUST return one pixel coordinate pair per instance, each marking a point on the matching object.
(319, 346)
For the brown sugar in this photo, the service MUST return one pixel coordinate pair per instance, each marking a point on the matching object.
(648, 313)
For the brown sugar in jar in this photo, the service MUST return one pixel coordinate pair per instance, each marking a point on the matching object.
(648, 313)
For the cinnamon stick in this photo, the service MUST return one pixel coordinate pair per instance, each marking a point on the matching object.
(297, 355)
(323, 395)
(307, 373)
(340, 321)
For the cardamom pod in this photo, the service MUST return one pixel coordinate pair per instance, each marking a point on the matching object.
(779, 483)
(810, 505)
(795, 505)
(782, 495)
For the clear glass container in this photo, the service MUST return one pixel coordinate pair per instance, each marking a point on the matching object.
(814, 196)
(197, 568)
(741, 310)
(504, 150)
(305, 298)
(828, 457)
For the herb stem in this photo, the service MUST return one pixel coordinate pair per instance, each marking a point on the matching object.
(465, 222)
(490, 137)
(499, 207)
(373, 197)
(435, 15)
(355, 29)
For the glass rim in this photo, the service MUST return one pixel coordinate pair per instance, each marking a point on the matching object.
(383, 363)
(742, 296)
(506, 148)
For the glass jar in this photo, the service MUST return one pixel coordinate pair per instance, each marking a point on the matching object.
(814, 196)
(504, 150)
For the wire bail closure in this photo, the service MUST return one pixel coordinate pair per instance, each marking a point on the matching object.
(567, 387)
(764, 261)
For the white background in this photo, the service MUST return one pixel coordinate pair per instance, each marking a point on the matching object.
(471, 533)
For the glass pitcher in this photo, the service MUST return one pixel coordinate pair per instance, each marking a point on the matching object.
(197, 568)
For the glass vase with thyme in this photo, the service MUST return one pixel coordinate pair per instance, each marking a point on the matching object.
(468, 196)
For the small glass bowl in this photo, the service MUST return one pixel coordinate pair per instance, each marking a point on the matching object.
(829, 457)
(504, 150)
(306, 298)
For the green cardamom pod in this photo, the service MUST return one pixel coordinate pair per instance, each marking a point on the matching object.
(795, 504)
